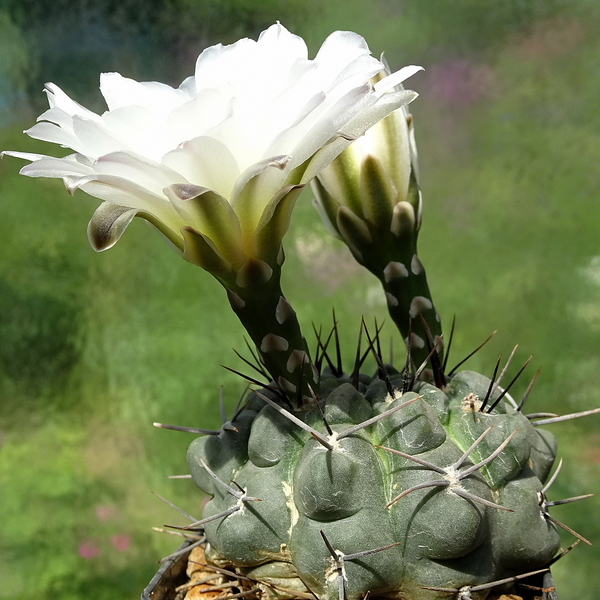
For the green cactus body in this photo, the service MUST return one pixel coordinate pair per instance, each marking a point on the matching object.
(308, 514)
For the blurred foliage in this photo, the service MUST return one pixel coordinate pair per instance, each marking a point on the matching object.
(70, 42)
(423, 32)
(38, 334)
(93, 349)
(14, 65)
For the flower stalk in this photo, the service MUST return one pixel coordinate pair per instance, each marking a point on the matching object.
(257, 300)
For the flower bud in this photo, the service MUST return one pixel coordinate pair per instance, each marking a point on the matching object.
(371, 176)
(369, 197)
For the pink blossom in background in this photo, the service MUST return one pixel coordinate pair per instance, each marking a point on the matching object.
(88, 549)
(104, 512)
(460, 82)
(120, 542)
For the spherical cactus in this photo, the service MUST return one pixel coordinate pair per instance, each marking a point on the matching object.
(377, 489)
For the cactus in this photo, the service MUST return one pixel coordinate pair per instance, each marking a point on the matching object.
(423, 484)
(385, 485)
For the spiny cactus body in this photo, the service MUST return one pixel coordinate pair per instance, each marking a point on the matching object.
(378, 491)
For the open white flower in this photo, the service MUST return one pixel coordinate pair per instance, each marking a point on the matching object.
(217, 163)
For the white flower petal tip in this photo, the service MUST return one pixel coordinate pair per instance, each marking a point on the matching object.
(255, 118)
(24, 155)
(394, 79)
(185, 191)
(108, 224)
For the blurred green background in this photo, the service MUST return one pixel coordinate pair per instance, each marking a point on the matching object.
(94, 348)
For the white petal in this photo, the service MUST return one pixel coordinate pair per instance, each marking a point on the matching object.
(384, 106)
(49, 132)
(207, 162)
(394, 79)
(218, 65)
(197, 116)
(24, 155)
(327, 127)
(354, 74)
(149, 175)
(242, 137)
(128, 194)
(119, 91)
(95, 139)
(355, 128)
(188, 86)
(138, 130)
(58, 99)
(279, 40)
(47, 166)
(59, 117)
(290, 133)
(267, 175)
(254, 190)
(342, 46)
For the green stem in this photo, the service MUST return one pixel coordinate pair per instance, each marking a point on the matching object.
(257, 300)
(410, 305)
(392, 257)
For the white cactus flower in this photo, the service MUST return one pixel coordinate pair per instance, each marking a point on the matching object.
(217, 163)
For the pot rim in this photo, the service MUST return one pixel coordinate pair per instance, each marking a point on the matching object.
(170, 570)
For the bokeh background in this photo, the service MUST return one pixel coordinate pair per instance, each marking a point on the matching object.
(94, 348)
